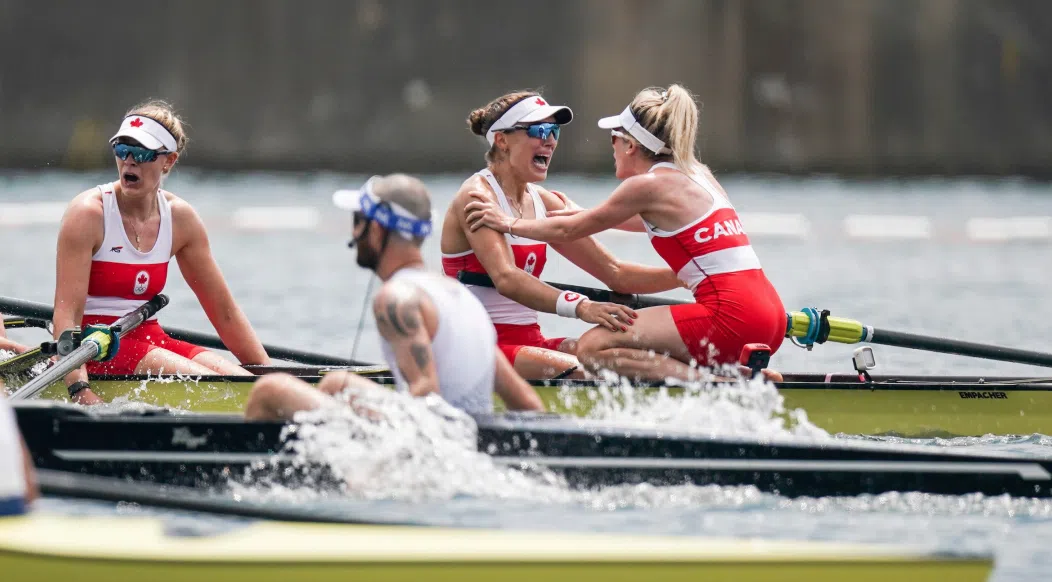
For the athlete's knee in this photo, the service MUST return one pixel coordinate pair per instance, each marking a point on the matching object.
(334, 382)
(590, 347)
(568, 346)
(266, 394)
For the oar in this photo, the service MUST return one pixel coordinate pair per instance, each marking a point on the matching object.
(813, 326)
(31, 309)
(96, 345)
(20, 363)
(292, 355)
(628, 299)
(25, 322)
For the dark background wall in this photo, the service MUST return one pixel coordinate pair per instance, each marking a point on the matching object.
(847, 86)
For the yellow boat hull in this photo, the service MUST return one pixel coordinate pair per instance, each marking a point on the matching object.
(48, 547)
(856, 410)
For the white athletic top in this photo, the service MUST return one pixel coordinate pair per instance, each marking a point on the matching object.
(464, 346)
(123, 278)
(530, 256)
(12, 477)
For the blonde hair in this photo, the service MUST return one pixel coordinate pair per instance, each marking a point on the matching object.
(671, 115)
(481, 119)
(162, 112)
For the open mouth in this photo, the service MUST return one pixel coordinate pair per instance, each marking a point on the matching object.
(541, 161)
(130, 178)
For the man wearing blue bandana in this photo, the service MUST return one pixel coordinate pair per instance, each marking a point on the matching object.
(436, 336)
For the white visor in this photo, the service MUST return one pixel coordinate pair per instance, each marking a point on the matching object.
(629, 123)
(148, 132)
(347, 200)
(529, 110)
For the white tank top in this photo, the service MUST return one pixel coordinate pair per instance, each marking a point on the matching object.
(123, 278)
(530, 256)
(464, 346)
(12, 478)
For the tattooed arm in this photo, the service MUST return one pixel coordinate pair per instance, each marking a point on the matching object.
(405, 316)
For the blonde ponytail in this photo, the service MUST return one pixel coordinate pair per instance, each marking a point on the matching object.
(671, 115)
(681, 121)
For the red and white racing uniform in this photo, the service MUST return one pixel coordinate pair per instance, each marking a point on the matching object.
(123, 278)
(515, 323)
(735, 304)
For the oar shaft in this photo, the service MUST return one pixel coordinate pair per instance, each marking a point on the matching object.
(25, 308)
(631, 300)
(960, 348)
(21, 362)
(812, 326)
(85, 353)
(31, 309)
(90, 348)
(300, 356)
(24, 322)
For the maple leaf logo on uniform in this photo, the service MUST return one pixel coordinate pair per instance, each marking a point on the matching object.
(136, 122)
(142, 281)
(531, 263)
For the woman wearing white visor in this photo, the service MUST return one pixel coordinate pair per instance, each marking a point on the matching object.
(692, 225)
(522, 130)
(114, 246)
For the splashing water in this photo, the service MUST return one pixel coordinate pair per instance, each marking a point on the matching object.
(388, 445)
(737, 407)
(381, 444)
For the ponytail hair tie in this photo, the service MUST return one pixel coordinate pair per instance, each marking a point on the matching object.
(664, 96)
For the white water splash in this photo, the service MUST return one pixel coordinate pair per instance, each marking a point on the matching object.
(388, 445)
(738, 407)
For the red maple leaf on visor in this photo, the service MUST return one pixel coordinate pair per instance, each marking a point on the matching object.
(136, 122)
(142, 279)
(540, 101)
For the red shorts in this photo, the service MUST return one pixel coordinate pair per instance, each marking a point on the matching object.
(717, 327)
(512, 337)
(134, 347)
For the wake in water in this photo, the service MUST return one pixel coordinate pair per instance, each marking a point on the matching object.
(1036, 445)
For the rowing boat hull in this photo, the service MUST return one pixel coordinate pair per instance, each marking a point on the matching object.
(47, 547)
(211, 449)
(910, 409)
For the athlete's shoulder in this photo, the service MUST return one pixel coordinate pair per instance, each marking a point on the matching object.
(397, 308)
(398, 293)
(182, 211)
(474, 183)
(86, 206)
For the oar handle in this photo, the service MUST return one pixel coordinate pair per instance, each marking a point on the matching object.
(124, 325)
(628, 299)
(96, 344)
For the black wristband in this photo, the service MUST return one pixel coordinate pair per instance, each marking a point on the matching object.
(76, 388)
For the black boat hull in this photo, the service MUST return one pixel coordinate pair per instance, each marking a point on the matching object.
(209, 450)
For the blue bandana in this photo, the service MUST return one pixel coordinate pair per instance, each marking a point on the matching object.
(392, 216)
